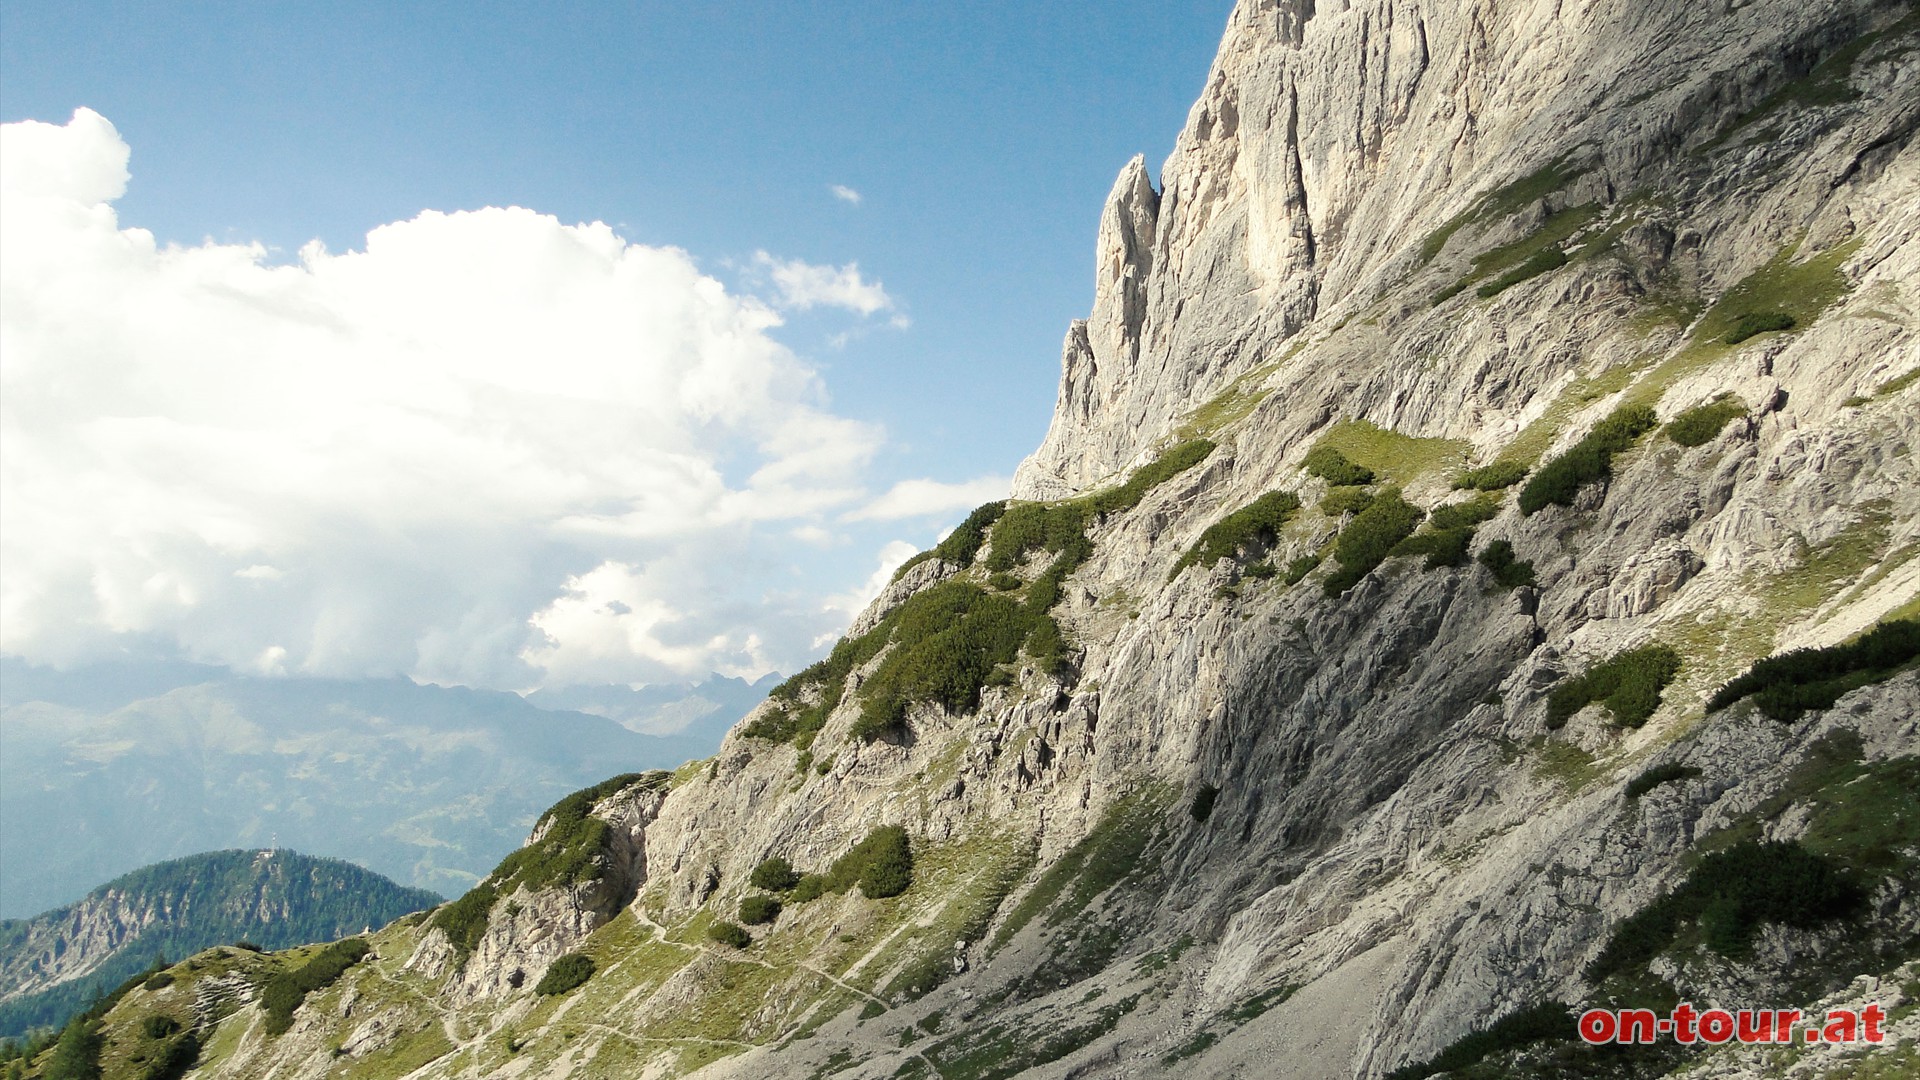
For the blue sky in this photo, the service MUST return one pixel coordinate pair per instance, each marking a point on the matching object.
(980, 139)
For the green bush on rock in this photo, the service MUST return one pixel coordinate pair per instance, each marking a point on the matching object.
(759, 909)
(963, 543)
(572, 851)
(947, 642)
(774, 875)
(1730, 894)
(729, 934)
(1442, 547)
(1335, 468)
(1629, 685)
(1698, 426)
(1754, 323)
(1298, 569)
(1346, 500)
(1590, 459)
(1494, 477)
(567, 973)
(881, 864)
(1509, 571)
(1369, 538)
(285, 991)
(1254, 526)
(809, 888)
(1550, 1020)
(1784, 686)
(1660, 774)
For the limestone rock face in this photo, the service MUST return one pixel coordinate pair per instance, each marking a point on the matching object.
(1332, 142)
(1258, 825)
(527, 930)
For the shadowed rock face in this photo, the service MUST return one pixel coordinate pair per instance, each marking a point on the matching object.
(1260, 825)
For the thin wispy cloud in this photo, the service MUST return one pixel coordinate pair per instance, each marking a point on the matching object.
(845, 194)
(801, 285)
(926, 498)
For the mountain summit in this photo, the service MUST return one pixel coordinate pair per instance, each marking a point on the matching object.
(53, 964)
(1468, 579)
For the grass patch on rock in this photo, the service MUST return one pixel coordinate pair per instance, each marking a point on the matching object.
(1113, 850)
(1504, 200)
(1389, 455)
(1786, 288)
(1530, 256)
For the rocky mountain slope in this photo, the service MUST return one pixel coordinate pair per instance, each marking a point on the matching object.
(53, 964)
(1368, 657)
(107, 769)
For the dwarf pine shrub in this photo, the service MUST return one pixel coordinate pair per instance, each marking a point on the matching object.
(1509, 571)
(1784, 686)
(729, 934)
(1698, 426)
(1254, 526)
(1335, 468)
(1442, 547)
(1629, 685)
(810, 887)
(285, 991)
(1729, 895)
(1590, 459)
(1753, 323)
(569, 972)
(1369, 538)
(1345, 500)
(759, 909)
(881, 864)
(1669, 773)
(774, 875)
(1494, 477)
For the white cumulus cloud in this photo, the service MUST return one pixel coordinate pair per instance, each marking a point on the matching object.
(845, 194)
(488, 447)
(803, 285)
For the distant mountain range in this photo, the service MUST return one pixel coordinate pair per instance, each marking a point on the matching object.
(110, 768)
(52, 964)
(695, 711)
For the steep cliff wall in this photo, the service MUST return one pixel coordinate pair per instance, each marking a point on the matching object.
(1216, 766)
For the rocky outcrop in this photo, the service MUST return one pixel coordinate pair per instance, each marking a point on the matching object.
(529, 928)
(1331, 146)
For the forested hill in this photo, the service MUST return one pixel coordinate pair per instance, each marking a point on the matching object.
(52, 964)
